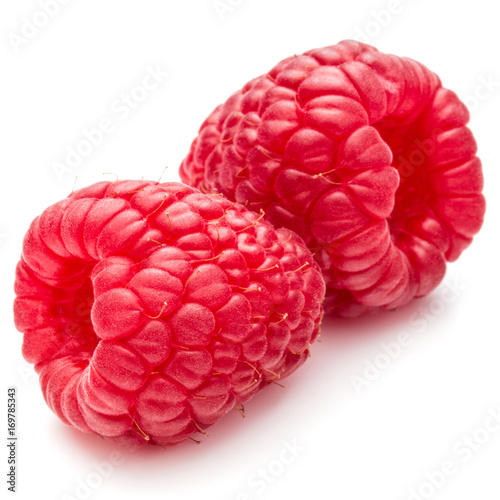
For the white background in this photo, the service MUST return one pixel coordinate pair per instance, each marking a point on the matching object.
(376, 443)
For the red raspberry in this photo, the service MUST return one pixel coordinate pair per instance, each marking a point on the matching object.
(365, 155)
(151, 310)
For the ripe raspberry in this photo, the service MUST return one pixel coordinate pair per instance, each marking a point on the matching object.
(151, 310)
(365, 155)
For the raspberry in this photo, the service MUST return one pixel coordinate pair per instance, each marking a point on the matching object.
(365, 155)
(150, 310)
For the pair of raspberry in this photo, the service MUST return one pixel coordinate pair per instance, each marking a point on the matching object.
(150, 310)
